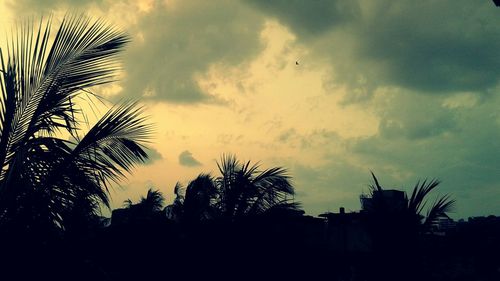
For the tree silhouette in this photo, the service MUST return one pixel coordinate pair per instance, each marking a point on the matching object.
(152, 203)
(395, 227)
(412, 212)
(45, 178)
(199, 199)
(147, 209)
(241, 190)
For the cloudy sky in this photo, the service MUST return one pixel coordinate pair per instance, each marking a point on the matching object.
(407, 89)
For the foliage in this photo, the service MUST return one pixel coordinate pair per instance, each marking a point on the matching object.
(396, 223)
(241, 190)
(412, 212)
(43, 176)
(152, 203)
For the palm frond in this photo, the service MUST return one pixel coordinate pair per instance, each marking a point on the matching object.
(285, 206)
(33, 165)
(179, 192)
(440, 208)
(416, 202)
(153, 201)
(276, 177)
(115, 144)
(38, 87)
(246, 190)
(227, 167)
(39, 80)
(199, 199)
(377, 185)
(273, 187)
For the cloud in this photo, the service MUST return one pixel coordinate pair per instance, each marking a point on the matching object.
(414, 116)
(21, 6)
(436, 48)
(186, 159)
(172, 46)
(153, 156)
(329, 186)
(464, 156)
(173, 43)
(309, 18)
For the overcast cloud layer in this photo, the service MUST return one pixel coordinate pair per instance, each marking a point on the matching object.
(407, 89)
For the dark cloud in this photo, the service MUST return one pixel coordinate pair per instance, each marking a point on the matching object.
(414, 116)
(309, 18)
(286, 135)
(173, 45)
(186, 159)
(438, 47)
(430, 47)
(47, 6)
(153, 156)
(314, 138)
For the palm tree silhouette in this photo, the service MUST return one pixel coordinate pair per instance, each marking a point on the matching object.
(241, 190)
(43, 177)
(199, 199)
(396, 224)
(412, 211)
(152, 203)
(146, 211)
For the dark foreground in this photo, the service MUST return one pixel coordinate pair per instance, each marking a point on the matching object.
(256, 249)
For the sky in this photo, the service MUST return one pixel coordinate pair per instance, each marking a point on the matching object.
(406, 89)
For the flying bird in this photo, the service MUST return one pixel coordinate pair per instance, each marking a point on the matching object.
(297, 62)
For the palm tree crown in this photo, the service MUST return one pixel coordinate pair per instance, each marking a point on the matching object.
(153, 201)
(396, 223)
(411, 212)
(241, 190)
(43, 176)
(147, 206)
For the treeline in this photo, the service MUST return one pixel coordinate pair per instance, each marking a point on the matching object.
(203, 235)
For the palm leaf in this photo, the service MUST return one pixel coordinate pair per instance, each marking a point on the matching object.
(441, 206)
(153, 202)
(38, 88)
(115, 144)
(199, 199)
(377, 185)
(40, 79)
(245, 190)
(416, 202)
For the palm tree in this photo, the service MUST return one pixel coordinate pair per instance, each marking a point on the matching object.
(242, 190)
(153, 202)
(412, 211)
(395, 226)
(198, 203)
(148, 208)
(245, 190)
(42, 175)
